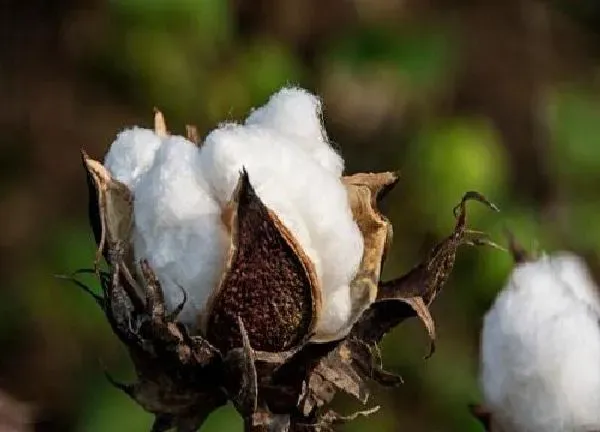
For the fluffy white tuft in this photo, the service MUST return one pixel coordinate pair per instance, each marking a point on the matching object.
(178, 227)
(540, 349)
(297, 113)
(132, 154)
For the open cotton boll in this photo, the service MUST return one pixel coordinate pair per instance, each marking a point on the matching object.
(540, 351)
(296, 112)
(131, 154)
(310, 201)
(178, 227)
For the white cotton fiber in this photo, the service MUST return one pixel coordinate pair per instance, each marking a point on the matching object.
(337, 305)
(310, 200)
(540, 352)
(178, 227)
(132, 154)
(297, 113)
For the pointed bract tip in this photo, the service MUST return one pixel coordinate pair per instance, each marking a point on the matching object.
(95, 168)
(191, 132)
(243, 185)
(474, 196)
(160, 126)
(85, 158)
(432, 348)
(128, 389)
(393, 177)
(518, 252)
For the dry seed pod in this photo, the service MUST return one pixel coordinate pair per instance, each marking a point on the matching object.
(256, 343)
(269, 283)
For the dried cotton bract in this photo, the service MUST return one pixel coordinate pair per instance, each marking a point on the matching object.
(247, 268)
(540, 351)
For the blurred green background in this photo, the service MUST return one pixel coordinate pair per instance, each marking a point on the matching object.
(501, 97)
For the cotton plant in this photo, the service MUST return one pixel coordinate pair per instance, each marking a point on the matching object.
(245, 267)
(540, 349)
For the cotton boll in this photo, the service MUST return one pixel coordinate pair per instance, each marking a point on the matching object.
(131, 154)
(310, 201)
(540, 351)
(178, 227)
(296, 112)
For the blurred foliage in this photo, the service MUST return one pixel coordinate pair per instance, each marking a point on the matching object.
(402, 90)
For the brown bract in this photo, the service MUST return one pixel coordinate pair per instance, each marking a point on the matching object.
(255, 344)
(269, 282)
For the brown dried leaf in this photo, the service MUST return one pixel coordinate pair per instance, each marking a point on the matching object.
(413, 293)
(269, 281)
(176, 372)
(111, 218)
(334, 372)
(347, 367)
(368, 217)
(111, 206)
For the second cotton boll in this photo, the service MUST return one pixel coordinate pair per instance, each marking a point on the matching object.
(540, 349)
(180, 191)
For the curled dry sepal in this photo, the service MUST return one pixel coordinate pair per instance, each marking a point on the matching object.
(258, 345)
